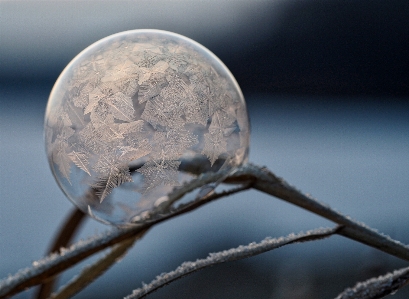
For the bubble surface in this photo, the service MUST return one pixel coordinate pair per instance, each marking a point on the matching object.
(137, 114)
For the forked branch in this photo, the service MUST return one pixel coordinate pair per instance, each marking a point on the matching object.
(247, 176)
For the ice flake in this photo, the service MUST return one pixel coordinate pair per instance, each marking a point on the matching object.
(161, 172)
(111, 174)
(80, 160)
(121, 106)
(173, 143)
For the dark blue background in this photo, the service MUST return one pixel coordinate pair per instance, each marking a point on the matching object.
(327, 88)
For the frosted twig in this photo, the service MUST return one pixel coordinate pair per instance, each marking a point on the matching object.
(199, 182)
(379, 287)
(233, 254)
(57, 263)
(259, 178)
(267, 182)
(184, 208)
(92, 272)
(62, 239)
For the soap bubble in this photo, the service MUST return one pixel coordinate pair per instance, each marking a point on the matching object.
(137, 114)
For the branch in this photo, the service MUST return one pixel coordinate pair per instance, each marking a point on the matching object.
(92, 272)
(57, 263)
(233, 254)
(380, 287)
(267, 182)
(259, 178)
(64, 236)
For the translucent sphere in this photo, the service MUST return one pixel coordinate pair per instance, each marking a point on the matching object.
(137, 114)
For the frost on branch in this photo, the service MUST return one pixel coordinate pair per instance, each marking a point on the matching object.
(378, 287)
(229, 255)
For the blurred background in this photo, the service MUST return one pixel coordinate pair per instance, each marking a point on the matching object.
(327, 89)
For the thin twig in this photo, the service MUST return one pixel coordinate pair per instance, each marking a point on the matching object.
(64, 236)
(56, 263)
(233, 254)
(92, 272)
(379, 287)
(190, 206)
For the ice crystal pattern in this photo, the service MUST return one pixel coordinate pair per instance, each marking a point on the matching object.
(141, 111)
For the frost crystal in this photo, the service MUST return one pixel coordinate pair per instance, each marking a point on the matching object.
(141, 112)
(159, 172)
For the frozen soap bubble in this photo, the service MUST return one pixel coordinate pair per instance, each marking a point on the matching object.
(137, 114)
